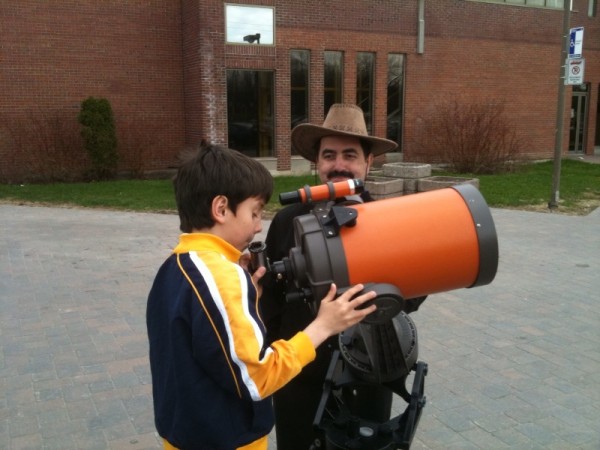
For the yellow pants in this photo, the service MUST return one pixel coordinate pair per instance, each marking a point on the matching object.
(259, 444)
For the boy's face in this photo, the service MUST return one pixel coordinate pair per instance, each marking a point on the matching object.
(240, 228)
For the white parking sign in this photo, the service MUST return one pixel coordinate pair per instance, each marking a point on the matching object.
(574, 68)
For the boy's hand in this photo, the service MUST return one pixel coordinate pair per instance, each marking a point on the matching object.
(257, 275)
(337, 314)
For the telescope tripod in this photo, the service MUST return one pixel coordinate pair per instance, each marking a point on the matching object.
(342, 428)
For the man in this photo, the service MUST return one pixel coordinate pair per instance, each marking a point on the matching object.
(341, 149)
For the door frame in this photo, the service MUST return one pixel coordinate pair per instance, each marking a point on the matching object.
(579, 118)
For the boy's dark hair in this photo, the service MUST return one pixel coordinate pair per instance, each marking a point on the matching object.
(215, 170)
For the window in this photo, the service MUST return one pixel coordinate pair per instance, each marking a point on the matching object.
(395, 97)
(533, 3)
(332, 79)
(250, 25)
(365, 65)
(299, 64)
(250, 111)
(592, 6)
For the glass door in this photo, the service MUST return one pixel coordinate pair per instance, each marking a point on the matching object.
(578, 123)
(250, 111)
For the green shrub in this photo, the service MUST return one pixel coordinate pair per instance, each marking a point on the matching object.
(99, 135)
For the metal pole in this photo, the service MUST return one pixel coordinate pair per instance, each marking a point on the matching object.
(553, 203)
(421, 28)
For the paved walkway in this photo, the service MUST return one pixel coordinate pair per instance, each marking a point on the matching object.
(515, 364)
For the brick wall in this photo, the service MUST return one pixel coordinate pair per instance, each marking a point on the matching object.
(162, 64)
(57, 53)
(473, 51)
(504, 53)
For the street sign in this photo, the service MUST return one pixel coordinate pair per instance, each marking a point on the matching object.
(574, 71)
(576, 42)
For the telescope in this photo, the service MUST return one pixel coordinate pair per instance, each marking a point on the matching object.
(401, 248)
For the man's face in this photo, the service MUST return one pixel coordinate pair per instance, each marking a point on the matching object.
(341, 158)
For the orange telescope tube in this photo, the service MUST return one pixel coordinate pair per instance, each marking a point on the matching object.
(422, 243)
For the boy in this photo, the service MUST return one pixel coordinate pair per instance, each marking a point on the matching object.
(212, 371)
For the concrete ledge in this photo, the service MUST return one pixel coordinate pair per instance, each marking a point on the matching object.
(380, 187)
(393, 157)
(440, 182)
(299, 166)
(406, 170)
(410, 185)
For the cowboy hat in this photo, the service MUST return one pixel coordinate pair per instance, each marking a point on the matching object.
(342, 120)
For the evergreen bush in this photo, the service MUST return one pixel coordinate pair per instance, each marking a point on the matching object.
(99, 135)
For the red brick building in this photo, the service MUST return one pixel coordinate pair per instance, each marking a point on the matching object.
(245, 72)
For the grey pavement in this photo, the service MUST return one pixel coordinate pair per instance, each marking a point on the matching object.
(515, 364)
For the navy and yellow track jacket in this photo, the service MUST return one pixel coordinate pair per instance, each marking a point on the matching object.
(212, 372)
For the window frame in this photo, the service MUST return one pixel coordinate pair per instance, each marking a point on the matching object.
(249, 29)
(365, 88)
(525, 3)
(302, 89)
(337, 88)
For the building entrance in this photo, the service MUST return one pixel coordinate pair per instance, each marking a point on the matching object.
(597, 138)
(250, 111)
(579, 114)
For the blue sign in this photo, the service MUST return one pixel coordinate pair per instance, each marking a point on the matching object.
(576, 42)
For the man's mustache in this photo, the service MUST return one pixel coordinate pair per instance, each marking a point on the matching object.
(336, 173)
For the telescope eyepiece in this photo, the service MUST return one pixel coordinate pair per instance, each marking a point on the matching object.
(258, 256)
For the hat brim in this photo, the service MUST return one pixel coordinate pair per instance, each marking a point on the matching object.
(306, 136)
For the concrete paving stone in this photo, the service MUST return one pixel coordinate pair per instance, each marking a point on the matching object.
(145, 441)
(556, 424)
(497, 405)
(92, 440)
(527, 413)
(578, 416)
(483, 439)
(72, 334)
(494, 422)
(435, 434)
(513, 438)
(80, 409)
(537, 368)
(457, 419)
(537, 432)
(22, 426)
(581, 438)
(62, 428)
(463, 445)
(29, 442)
(144, 422)
(495, 391)
(538, 396)
(119, 430)
(125, 380)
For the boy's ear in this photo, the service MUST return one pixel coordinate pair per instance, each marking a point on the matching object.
(219, 207)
